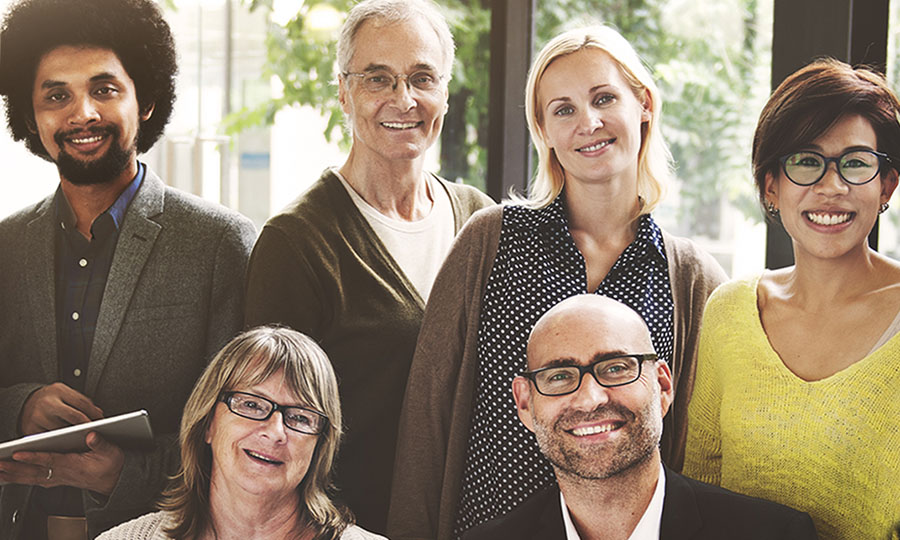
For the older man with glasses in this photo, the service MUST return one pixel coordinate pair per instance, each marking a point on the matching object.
(594, 396)
(351, 262)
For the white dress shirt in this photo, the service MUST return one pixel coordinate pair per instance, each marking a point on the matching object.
(646, 529)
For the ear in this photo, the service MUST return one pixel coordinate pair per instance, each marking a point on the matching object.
(148, 112)
(30, 125)
(646, 107)
(888, 185)
(342, 93)
(771, 189)
(521, 389)
(666, 389)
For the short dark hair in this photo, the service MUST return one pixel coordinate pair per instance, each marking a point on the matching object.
(810, 101)
(133, 29)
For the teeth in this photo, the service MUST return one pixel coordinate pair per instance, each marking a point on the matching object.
(251, 453)
(594, 147)
(400, 125)
(87, 140)
(828, 219)
(593, 430)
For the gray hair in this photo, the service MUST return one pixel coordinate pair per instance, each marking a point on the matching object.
(391, 12)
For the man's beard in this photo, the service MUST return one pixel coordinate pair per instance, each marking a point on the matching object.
(105, 168)
(634, 447)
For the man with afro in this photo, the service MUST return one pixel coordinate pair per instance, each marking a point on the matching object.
(116, 289)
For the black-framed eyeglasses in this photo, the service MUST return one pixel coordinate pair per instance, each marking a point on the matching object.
(855, 167)
(609, 372)
(258, 408)
(377, 80)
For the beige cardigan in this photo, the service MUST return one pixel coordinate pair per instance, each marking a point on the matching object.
(437, 409)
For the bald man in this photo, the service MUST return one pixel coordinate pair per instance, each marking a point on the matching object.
(601, 434)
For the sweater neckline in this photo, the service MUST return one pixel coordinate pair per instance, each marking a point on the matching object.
(838, 377)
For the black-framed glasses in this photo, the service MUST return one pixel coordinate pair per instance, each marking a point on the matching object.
(378, 80)
(258, 408)
(609, 372)
(855, 167)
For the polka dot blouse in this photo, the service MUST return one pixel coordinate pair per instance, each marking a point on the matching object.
(537, 266)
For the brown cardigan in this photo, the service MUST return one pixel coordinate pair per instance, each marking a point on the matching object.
(437, 409)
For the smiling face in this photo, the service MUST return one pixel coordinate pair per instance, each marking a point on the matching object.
(260, 458)
(591, 117)
(832, 218)
(594, 432)
(86, 114)
(401, 123)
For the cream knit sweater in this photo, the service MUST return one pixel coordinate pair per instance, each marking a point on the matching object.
(829, 447)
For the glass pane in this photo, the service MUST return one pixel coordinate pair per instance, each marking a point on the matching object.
(712, 62)
(889, 222)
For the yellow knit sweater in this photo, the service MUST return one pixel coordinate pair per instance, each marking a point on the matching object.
(829, 447)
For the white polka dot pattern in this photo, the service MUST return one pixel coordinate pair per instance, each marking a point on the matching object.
(537, 266)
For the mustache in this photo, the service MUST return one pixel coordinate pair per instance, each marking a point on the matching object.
(60, 136)
(571, 417)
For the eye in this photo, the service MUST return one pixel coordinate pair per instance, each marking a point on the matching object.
(378, 78)
(805, 160)
(56, 97)
(559, 376)
(300, 418)
(422, 78)
(565, 110)
(603, 99)
(106, 91)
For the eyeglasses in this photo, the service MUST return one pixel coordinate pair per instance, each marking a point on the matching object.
(381, 79)
(259, 408)
(855, 167)
(608, 372)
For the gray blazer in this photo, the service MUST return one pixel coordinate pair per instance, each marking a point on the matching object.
(174, 296)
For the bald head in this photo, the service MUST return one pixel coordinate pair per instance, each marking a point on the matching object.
(604, 322)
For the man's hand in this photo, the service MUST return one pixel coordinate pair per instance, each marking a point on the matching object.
(97, 469)
(56, 406)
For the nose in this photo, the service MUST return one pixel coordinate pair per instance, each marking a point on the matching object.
(84, 111)
(591, 120)
(274, 427)
(831, 183)
(402, 93)
(590, 394)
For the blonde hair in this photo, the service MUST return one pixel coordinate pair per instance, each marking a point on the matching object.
(247, 360)
(654, 158)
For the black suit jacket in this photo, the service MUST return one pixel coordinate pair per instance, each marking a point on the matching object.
(692, 510)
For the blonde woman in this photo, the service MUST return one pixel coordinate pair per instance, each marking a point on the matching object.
(258, 440)
(594, 112)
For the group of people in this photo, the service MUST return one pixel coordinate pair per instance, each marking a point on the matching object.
(395, 353)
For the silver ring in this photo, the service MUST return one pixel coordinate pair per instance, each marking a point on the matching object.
(49, 473)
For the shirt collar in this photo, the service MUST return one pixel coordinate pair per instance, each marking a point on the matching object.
(649, 524)
(648, 239)
(116, 212)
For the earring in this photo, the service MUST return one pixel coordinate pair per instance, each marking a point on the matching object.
(771, 210)
(884, 207)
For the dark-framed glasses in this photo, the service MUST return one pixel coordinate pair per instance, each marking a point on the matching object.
(378, 80)
(259, 408)
(855, 167)
(609, 372)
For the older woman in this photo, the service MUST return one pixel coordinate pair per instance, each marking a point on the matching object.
(593, 111)
(796, 395)
(352, 261)
(258, 439)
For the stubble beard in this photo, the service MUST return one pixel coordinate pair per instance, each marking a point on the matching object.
(602, 461)
(102, 170)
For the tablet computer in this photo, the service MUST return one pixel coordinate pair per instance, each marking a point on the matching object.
(130, 430)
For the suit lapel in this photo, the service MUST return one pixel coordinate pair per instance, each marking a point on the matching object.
(136, 240)
(41, 282)
(550, 525)
(680, 517)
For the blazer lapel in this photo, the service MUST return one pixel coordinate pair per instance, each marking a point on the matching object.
(550, 525)
(136, 240)
(41, 283)
(680, 517)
